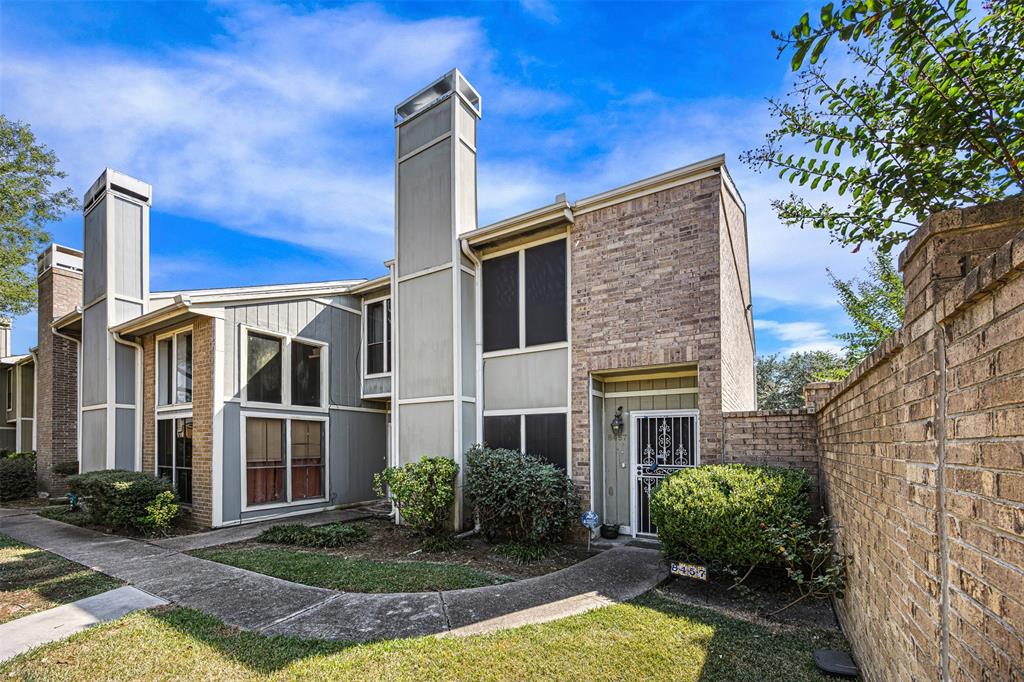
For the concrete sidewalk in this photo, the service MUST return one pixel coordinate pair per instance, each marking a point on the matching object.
(20, 635)
(253, 601)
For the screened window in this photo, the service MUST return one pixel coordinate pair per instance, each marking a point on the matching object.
(306, 374)
(307, 459)
(174, 454)
(174, 369)
(501, 302)
(263, 373)
(264, 460)
(545, 293)
(10, 390)
(503, 431)
(378, 337)
(545, 438)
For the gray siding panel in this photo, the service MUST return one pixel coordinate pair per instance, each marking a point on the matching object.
(358, 451)
(425, 429)
(94, 355)
(126, 310)
(424, 128)
(468, 335)
(94, 439)
(425, 207)
(598, 425)
(95, 260)
(469, 435)
(528, 380)
(124, 446)
(28, 389)
(7, 435)
(426, 310)
(124, 358)
(128, 242)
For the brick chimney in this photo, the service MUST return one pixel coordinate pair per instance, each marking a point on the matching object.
(59, 278)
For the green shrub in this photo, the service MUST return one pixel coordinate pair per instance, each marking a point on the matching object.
(519, 498)
(119, 499)
(423, 491)
(160, 513)
(65, 468)
(330, 535)
(17, 475)
(717, 513)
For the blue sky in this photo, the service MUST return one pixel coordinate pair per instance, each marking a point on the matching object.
(266, 129)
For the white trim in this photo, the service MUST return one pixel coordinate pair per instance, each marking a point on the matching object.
(425, 272)
(426, 145)
(364, 336)
(673, 178)
(287, 418)
(332, 304)
(350, 408)
(429, 399)
(172, 334)
(217, 456)
(99, 406)
(634, 417)
(526, 410)
(286, 370)
(656, 391)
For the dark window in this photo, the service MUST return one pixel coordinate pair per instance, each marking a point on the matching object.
(307, 459)
(165, 370)
(305, 374)
(545, 437)
(183, 364)
(264, 460)
(545, 293)
(165, 449)
(378, 337)
(503, 432)
(501, 302)
(263, 383)
(174, 454)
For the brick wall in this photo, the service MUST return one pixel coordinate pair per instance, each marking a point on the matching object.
(738, 390)
(645, 291)
(783, 438)
(60, 290)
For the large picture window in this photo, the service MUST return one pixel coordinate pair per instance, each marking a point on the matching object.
(174, 454)
(378, 337)
(263, 369)
(540, 435)
(524, 297)
(281, 370)
(285, 460)
(174, 369)
(306, 374)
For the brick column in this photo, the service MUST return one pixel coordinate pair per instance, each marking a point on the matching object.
(203, 338)
(56, 418)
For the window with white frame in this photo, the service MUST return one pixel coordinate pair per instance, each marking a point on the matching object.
(281, 370)
(174, 369)
(285, 460)
(9, 403)
(378, 337)
(524, 297)
(174, 454)
(540, 435)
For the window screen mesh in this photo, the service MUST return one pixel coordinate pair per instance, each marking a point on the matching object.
(503, 432)
(263, 369)
(545, 293)
(545, 438)
(305, 374)
(501, 302)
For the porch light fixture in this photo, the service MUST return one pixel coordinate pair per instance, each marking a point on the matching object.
(617, 423)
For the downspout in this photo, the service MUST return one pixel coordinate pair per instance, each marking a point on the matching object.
(78, 393)
(478, 341)
(138, 395)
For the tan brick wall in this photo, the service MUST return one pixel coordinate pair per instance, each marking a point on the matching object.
(149, 404)
(738, 390)
(781, 438)
(56, 421)
(645, 291)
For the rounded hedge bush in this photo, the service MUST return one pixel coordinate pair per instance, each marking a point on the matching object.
(119, 499)
(519, 498)
(17, 475)
(423, 491)
(717, 513)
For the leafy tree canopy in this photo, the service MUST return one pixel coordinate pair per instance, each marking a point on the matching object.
(781, 379)
(874, 305)
(28, 201)
(931, 118)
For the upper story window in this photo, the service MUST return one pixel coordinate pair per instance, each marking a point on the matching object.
(525, 297)
(378, 337)
(280, 370)
(174, 369)
(10, 389)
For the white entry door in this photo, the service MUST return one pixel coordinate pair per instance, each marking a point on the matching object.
(661, 442)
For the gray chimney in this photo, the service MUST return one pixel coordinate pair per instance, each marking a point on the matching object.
(115, 289)
(432, 294)
(5, 336)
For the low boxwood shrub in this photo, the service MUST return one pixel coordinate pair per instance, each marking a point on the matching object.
(518, 498)
(424, 492)
(17, 475)
(329, 535)
(65, 468)
(717, 513)
(120, 499)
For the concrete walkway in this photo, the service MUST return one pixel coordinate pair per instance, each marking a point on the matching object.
(22, 634)
(257, 602)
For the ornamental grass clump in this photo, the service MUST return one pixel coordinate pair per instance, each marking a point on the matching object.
(717, 514)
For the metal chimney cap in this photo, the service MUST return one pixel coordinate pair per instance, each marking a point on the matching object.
(451, 82)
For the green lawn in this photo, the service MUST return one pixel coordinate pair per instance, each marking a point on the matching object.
(649, 639)
(351, 574)
(32, 580)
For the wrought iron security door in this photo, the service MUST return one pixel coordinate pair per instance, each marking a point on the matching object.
(663, 442)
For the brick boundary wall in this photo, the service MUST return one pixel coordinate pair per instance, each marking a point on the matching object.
(922, 461)
(782, 438)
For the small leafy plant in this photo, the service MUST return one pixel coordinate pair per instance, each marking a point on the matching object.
(424, 493)
(523, 554)
(807, 551)
(17, 475)
(329, 535)
(160, 513)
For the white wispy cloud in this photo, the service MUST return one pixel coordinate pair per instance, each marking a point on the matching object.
(542, 9)
(800, 336)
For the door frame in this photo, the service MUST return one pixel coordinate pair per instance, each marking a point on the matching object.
(635, 417)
